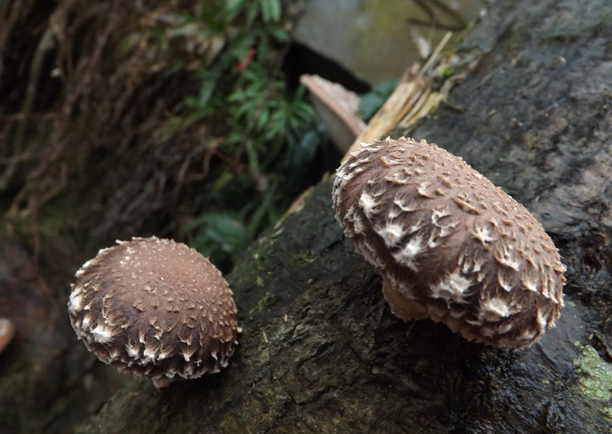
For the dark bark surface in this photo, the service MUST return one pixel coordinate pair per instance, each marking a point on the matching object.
(322, 353)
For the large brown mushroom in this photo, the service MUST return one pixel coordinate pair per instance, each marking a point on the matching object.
(154, 308)
(448, 244)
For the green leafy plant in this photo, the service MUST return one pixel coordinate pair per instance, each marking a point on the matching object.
(220, 236)
(375, 98)
(264, 135)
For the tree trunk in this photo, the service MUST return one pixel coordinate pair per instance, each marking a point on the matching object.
(321, 351)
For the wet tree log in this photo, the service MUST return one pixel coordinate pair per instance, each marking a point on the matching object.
(321, 352)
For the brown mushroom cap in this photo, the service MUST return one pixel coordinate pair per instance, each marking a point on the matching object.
(448, 243)
(154, 308)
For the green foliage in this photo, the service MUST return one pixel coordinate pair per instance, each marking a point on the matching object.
(375, 98)
(220, 236)
(264, 134)
(265, 121)
(279, 139)
(269, 10)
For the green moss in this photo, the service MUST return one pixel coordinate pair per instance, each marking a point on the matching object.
(596, 377)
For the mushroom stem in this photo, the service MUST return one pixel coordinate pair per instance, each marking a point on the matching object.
(401, 306)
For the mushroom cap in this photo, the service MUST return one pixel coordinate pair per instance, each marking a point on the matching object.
(449, 244)
(154, 308)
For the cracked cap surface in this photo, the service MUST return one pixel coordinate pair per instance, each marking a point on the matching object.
(154, 308)
(448, 243)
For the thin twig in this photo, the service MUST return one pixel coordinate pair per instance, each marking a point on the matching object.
(425, 8)
(453, 14)
(435, 17)
(437, 25)
(435, 55)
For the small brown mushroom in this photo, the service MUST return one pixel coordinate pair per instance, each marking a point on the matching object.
(448, 244)
(7, 332)
(154, 308)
